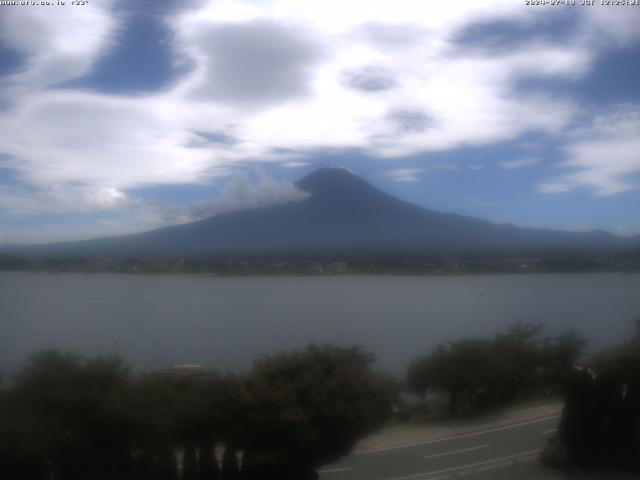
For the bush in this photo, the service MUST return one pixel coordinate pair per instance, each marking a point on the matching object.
(68, 418)
(310, 407)
(477, 373)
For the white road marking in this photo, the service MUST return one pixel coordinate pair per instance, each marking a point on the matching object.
(495, 466)
(335, 470)
(456, 437)
(453, 452)
(546, 432)
(499, 461)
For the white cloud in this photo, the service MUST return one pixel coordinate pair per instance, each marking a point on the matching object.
(295, 164)
(251, 63)
(60, 136)
(81, 228)
(59, 43)
(117, 141)
(603, 156)
(405, 174)
(127, 214)
(378, 76)
(617, 25)
(241, 192)
(25, 202)
(414, 174)
(520, 163)
(627, 230)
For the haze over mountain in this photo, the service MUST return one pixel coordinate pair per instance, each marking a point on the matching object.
(342, 216)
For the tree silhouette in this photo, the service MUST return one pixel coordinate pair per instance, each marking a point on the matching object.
(189, 462)
(72, 415)
(207, 464)
(601, 417)
(230, 467)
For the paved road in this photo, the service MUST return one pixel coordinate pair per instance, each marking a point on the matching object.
(503, 452)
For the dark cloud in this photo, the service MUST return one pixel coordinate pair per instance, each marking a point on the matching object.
(599, 86)
(409, 120)
(502, 35)
(256, 62)
(156, 7)
(217, 137)
(370, 79)
(10, 60)
(142, 60)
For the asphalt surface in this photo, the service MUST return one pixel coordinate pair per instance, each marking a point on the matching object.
(502, 452)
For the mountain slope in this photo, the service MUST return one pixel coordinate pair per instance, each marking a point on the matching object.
(343, 215)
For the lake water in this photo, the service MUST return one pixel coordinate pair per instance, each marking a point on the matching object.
(158, 321)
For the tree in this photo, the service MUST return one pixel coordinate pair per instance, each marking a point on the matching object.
(418, 378)
(156, 407)
(207, 464)
(15, 460)
(462, 370)
(601, 416)
(310, 407)
(72, 415)
(230, 467)
(557, 359)
(481, 373)
(186, 411)
(189, 462)
(517, 352)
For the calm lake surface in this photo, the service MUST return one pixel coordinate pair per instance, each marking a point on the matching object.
(158, 321)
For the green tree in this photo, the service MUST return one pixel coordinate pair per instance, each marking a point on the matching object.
(517, 362)
(310, 407)
(72, 415)
(178, 411)
(462, 370)
(481, 373)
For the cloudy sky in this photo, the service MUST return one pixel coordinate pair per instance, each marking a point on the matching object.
(123, 115)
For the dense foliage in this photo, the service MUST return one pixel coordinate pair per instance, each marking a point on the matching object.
(309, 408)
(600, 425)
(479, 373)
(68, 418)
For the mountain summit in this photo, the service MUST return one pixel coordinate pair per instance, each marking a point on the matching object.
(337, 182)
(343, 215)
